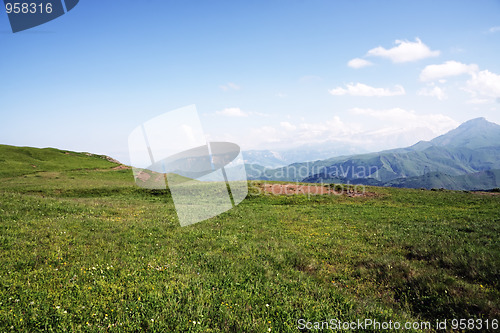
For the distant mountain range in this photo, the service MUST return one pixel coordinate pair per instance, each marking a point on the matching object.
(466, 158)
(305, 153)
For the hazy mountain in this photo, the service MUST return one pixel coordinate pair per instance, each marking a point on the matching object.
(267, 158)
(279, 158)
(472, 147)
(475, 133)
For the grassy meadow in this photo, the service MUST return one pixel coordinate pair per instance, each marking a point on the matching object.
(85, 249)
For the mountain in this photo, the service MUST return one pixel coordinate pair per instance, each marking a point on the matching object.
(264, 158)
(310, 152)
(473, 134)
(473, 147)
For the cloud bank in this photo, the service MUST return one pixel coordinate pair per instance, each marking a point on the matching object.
(360, 89)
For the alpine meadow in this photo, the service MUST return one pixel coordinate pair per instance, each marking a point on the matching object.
(257, 166)
(84, 249)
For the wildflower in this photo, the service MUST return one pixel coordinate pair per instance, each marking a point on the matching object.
(267, 305)
(152, 320)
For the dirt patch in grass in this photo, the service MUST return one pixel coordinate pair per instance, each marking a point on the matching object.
(121, 167)
(116, 168)
(491, 193)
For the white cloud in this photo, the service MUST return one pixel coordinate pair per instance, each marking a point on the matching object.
(379, 130)
(394, 114)
(405, 51)
(288, 134)
(281, 95)
(494, 29)
(230, 86)
(358, 63)
(434, 92)
(360, 89)
(260, 114)
(405, 120)
(449, 68)
(237, 112)
(232, 112)
(478, 101)
(457, 50)
(485, 84)
(289, 127)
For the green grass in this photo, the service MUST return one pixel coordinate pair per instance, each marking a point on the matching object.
(16, 161)
(87, 250)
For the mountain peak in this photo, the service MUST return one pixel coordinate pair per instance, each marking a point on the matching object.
(481, 121)
(474, 133)
(476, 120)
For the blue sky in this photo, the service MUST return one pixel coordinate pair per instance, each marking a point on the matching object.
(263, 74)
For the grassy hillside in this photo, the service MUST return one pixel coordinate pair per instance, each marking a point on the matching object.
(87, 250)
(16, 161)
